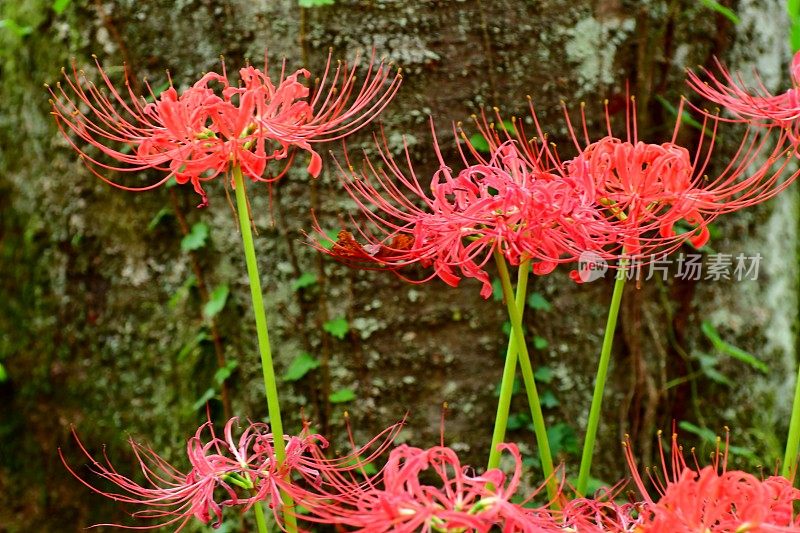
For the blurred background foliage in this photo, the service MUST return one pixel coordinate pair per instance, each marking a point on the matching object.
(126, 314)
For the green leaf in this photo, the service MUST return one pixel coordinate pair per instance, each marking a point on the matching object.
(16, 29)
(228, 527)
(537, 302)
(592, 485)
(506, 327)
(156, 220)
(543, 374)
(333, 236)
(157, 92)
(745, 452)
(540, 343)
(306, 279)
(342, 396)
(314, 3)
(709, 437)
(518, 421)
(563, 439)
(508, 126)
(708, 366)
(730, 350)
(209, 394)
(338, 327)
(300, 366)
(363, 468)
(60, 5)
(726, 12)
(549, 400)
(216, 302)
(479, 142)
(225, 372)
(704, 433)
(497, 290)
(196, 238)
(182, 291)
(686, 117)
(3, 374)
(187, 348)
(531, 461)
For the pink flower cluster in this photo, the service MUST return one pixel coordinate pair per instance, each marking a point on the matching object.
(200, 133)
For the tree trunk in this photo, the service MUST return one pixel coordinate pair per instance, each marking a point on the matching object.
(102, 331)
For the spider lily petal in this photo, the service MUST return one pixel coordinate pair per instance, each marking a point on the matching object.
(712, 498)
(198, 134)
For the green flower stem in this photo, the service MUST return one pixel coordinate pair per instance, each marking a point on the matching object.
(600, 383)
(527, 375)
(270, 386)
(260, 522)
(792, 442)
(509, 372)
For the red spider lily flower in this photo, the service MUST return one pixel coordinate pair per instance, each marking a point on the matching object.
(712, 498)
(645, 189)
(600, 514)
(752, 103)
(228, 472)
(586, 515)
(505, 203)
(397, 499)
(198, 134)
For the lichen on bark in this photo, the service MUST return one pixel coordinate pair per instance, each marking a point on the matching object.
(91, 337)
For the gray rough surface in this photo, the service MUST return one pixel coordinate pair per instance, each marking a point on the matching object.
(89, 339)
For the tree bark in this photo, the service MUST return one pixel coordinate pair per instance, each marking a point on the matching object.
(100, 330)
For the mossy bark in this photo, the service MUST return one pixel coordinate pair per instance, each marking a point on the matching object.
(100, 331)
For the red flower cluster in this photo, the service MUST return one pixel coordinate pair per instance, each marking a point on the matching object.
(619, 198)
(712, 498)
(397, 499)
(416, 490)
(230, 472)
(506, 203)
(752, 103)
(198, 134)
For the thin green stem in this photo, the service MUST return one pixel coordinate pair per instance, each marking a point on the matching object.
(527, 375)
(509, 371)
(270, 384)
(600, 383)
(792, 442)
(261, 523)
